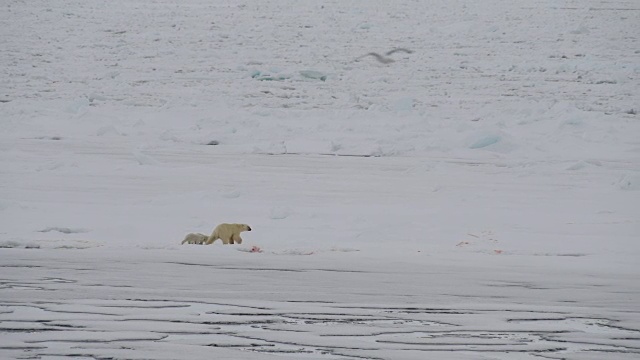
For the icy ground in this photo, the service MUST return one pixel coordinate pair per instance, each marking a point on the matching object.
(476, 198)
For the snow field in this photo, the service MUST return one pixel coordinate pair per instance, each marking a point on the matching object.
(474, 198)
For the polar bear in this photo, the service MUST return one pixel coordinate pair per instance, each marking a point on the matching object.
(228, 233)
(195, 238)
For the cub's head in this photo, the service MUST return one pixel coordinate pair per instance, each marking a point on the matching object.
(246, 227)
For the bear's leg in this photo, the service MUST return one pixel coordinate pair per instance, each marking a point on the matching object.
(236, 239)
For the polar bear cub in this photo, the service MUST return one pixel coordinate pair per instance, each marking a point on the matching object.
(228, 233)
(195, 238)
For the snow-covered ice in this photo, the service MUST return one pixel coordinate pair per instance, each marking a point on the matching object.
(476, 197)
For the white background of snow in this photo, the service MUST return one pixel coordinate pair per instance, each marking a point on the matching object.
(493, 171)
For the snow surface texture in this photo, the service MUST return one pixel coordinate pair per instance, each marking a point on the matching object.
(476, 197)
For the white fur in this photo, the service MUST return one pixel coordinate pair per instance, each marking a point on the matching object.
(228, 233)
(195, 238)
